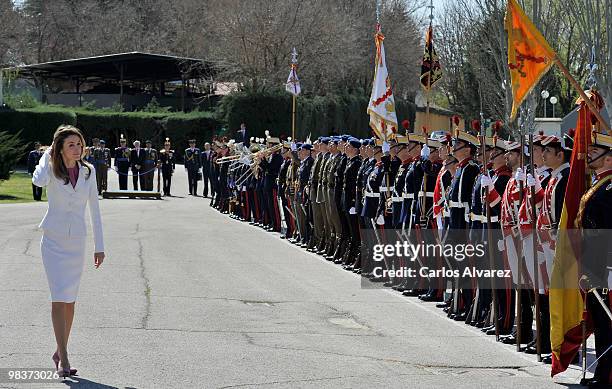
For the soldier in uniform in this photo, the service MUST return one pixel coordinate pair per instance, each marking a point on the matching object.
(33, 158)
(348, 200)
(207, 155)
(122, 163)
(167, 164)
(193, 163)
(150, 161)
(303, 202)
(595, 219)
(137, 161)
(317, 241)
(102, 158)
(271, 167)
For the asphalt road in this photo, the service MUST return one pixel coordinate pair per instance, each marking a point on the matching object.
(191, 298)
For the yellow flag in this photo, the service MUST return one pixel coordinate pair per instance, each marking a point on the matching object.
(529, 55)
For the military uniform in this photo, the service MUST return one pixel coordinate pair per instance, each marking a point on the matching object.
(167, 164)
(122, 164)
(102, 158)
(33, 158)
(149, 164)
(193, 163)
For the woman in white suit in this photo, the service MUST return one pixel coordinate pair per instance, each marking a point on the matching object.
(71, 185)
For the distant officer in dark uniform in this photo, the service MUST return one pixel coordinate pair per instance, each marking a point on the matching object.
(271, 166)
(167, 162)
(348, 198)
(207, 155)
(302, 199)
(102, 158)
(193, 163)
(595, 218)
(33, 158)
(150, 161)
(122, 163)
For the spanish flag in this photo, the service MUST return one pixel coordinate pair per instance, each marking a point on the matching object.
(529, 55)
(431, 71)
(566, 299)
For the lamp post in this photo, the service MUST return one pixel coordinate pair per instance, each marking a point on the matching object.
(544, 95)
(554, 101)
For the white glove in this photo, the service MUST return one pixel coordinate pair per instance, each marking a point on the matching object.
(380, 220)
(533, 182)
(293, 146)
(352, 211)
(386, 147)
(520, 175)
(501, 245)
(486, 182)
(530, 180)
(425, 151)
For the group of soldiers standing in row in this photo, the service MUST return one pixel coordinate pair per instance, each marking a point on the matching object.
(331, 192)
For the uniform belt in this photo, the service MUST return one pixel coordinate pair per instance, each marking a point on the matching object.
(428, 194)
(383, 189)
(446, 213)
(397, 199)
(483, 218)
(372, 194)
(408, 195)
(456, 204)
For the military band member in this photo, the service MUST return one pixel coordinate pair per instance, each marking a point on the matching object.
(270, 166)
(33, 158)
(122, 163)
(137, 156)
(102, 158)
(167, 164)
(193, 164)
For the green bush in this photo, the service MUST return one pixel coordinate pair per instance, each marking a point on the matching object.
(318, 115)
(36, 123)
(12, 149)
(22, 100)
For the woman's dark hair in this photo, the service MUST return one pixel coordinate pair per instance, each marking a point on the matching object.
(57, 162)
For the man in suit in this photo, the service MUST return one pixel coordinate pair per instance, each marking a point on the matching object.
(193, 163)
(137, 161)
(242, 136)
(150, 160)
(33, 158)
(207, 155)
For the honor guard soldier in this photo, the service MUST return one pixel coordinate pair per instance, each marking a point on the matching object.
(122, 163)
(167, 164)
(150, 161)
(302, 199)
(33, 158)
(347, 201)
(95, 143)
(595, 219)
(102, 158)
(271, 166)
(193, 163)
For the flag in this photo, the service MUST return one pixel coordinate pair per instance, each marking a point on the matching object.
(293, 82)
(430, 66)
(566, 300)
(381, 108)
(529, 55)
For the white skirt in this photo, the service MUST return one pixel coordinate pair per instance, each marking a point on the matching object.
(63, 259)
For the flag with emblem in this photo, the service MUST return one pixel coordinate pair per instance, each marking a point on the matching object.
(431, 71)
(381, 108)
(529, 54)
(293, 82)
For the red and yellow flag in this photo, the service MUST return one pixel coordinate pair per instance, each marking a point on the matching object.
(566, 300)
(529, 55)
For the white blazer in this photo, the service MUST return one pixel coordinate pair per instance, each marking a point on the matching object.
(65, 215)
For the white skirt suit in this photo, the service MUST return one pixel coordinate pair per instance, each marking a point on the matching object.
(64, 228)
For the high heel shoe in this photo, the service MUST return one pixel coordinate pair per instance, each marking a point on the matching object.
(63, 372)
(56, 359)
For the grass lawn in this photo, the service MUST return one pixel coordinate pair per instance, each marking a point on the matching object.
(18, 189)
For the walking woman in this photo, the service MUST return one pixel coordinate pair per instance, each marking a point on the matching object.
(71, 185)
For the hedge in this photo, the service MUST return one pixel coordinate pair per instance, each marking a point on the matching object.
(40, 123)
(318, 115)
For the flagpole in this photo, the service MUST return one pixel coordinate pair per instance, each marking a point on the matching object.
(519, 302)
(293, 120)
(536, 281)
(578, 88)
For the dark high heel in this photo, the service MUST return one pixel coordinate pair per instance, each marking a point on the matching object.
(56, 359)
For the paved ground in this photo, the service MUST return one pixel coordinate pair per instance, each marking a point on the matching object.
(190, 298)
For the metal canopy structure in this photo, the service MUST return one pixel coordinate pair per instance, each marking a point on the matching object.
(122, 68)
(131, 67)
